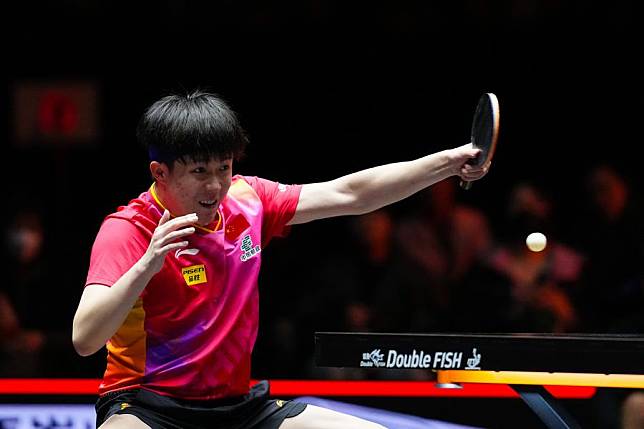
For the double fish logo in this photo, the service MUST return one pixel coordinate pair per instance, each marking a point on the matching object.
(373, 359)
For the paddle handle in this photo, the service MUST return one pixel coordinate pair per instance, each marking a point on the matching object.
(466, 185)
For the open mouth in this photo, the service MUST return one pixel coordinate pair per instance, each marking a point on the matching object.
(209, 204)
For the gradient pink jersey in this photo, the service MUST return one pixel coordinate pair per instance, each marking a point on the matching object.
(191, 332)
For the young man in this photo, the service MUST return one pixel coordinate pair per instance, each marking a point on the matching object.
(172, 283)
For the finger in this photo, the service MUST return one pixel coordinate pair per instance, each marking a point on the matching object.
(468, 150)
(174, 246)
(482, 171)
(164, 217)
(179, 222)
(474, 169)
(474, 153)
(472, 177)
(471, 157)
(470, 169)
(176, 234)
(472, 174)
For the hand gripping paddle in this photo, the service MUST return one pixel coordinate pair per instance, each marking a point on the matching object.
(485, 131)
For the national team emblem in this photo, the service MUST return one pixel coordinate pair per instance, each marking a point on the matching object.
(235, 227)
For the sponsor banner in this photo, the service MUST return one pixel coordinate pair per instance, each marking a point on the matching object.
(420, 359)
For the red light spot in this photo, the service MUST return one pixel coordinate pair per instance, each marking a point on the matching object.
(57, 114)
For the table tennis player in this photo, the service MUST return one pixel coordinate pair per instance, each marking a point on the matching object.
(172, 282)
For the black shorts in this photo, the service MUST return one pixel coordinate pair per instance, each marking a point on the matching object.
(254, 410)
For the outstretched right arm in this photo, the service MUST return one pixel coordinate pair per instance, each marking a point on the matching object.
(103, 309)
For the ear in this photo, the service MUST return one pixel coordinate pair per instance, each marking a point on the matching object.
(159, 171)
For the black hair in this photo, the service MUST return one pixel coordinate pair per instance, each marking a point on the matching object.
(199, 126)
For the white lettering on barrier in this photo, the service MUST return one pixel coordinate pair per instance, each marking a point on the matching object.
(416, 359)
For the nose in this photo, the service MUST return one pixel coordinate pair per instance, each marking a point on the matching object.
(214, 185)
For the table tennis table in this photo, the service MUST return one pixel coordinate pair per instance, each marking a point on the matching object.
(524, 361)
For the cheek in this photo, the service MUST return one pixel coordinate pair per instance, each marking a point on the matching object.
(224, 190)
(185, 190)
(225, 185)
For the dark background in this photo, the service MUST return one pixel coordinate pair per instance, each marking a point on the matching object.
(324, 88)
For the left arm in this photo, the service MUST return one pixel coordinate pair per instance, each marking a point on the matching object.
(371, 189)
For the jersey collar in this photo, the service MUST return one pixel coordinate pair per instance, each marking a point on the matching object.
(213, 227)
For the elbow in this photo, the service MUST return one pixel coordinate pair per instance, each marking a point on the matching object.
(84, 348)
(82, 343)
(81, 347)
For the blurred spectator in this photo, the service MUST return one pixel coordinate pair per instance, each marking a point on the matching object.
(610, 232)
(448, 237)
(344, 288)
(346, 284)
(30, 344)
(21, 339)
(633, 411)
(541, 284)
(19, 348)
(353, 289)
(348, 278)
(436, 247)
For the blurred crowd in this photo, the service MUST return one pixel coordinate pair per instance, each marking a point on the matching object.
(440, 265)
(431, 264)
(437, 264)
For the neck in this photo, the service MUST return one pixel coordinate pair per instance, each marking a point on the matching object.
(160, 195)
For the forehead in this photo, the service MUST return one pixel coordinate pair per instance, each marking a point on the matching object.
(189, 161)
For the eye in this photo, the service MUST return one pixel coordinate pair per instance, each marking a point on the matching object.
(199, 170)
(224, 167)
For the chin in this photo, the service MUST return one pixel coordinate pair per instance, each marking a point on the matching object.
(206, 218)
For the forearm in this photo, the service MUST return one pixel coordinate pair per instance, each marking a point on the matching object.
(371, 189)
(103, 309)
(377, 187)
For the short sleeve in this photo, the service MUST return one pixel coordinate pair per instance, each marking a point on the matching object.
(118, 246)
(279, 203)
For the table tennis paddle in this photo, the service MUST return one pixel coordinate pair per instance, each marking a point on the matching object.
(485, 131)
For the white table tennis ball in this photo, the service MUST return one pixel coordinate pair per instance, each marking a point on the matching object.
(536, 241)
